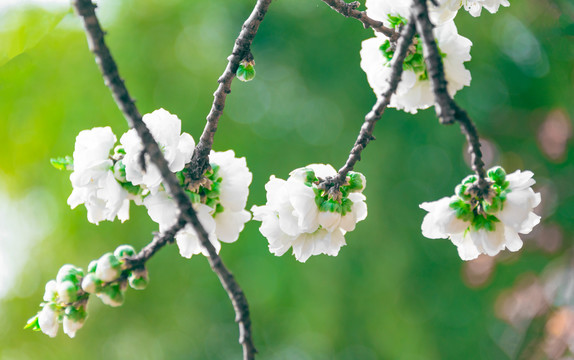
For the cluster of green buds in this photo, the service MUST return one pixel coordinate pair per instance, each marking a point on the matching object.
(108, 277)
(64, 302)
(66, 298)
(478, 206)
(205, 191)
(339, 201)
(414, 60)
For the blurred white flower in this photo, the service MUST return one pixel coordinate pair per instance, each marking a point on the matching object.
(485, 226)
(177, 149)
(298, 215)
(93, 181)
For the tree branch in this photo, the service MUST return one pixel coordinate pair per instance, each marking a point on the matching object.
(366, 133)
(447, 109)
(112, 79)
(241, 50)
(350, 10)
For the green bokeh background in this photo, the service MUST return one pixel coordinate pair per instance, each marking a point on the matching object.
(389, 294)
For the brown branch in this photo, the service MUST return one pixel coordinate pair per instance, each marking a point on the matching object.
(366, 133)
(241, 50)
(447, 109)
(350, 10)
(112, 79)
(159, 241)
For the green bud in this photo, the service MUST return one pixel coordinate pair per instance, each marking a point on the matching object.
(63, 163)
(497, 174)
(67, 292)
(124, 251)
(109, 268)
(71, 273)
(92, 266)
(138, 279)
(91, 284)
(246, 71)
(119, 171)
(78, 314)
(112, 295)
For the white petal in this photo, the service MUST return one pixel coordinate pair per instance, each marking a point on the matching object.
(229, 224)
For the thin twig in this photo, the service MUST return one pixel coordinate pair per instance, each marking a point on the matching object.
(112, 79)
(241, 50)
(447, 109)
(350, 10)
(366, 133)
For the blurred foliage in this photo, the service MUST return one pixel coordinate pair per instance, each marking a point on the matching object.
(390, 294)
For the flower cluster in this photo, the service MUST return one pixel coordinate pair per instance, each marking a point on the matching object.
(66, 298)
(219, 200)
(415, 91)
(108, 280)
(64, 302)
(485, 221)
(106, 177)
(300, 215)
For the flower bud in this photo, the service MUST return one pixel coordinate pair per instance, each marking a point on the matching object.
(91, 284)
(51, 290)
(67, 292)
(119, 171)
(74, 319)
(69, 272)
(112, 295)
(108, 268)
(139, 279)
(93, 265)
(246, 71)
(124, 251)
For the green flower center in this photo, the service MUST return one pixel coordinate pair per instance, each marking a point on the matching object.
(480, 211)
(414, 61)
(353, 183)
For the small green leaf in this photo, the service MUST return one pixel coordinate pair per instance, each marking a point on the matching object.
(497, 174)
(33, 323)
(63, 163)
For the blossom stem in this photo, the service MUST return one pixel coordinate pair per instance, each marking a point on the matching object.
(350, 10)
(447, 109)
(112, 79)
(241, 50)
(366, 133)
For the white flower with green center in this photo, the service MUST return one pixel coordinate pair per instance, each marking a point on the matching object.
(489, 224)
(177, 148)
(415, 90)
(219, 202)
(299, 215)
(93, 181)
